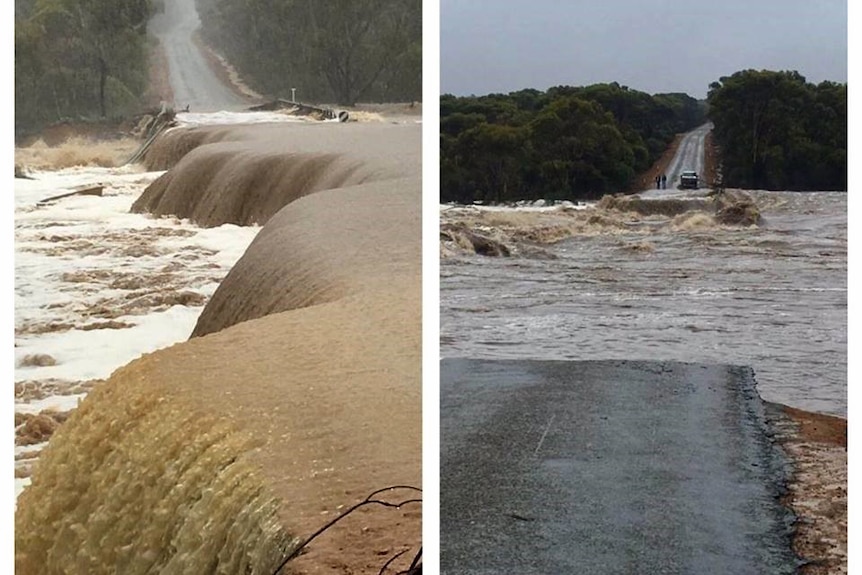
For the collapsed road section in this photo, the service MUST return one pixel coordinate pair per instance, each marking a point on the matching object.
(608, 467)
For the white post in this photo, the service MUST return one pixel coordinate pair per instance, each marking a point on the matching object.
(293, 94)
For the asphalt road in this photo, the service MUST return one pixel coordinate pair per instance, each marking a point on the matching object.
(193, 82)
(689, 156)
(608, 467)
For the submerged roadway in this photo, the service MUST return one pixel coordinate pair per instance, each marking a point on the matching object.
(608, 467)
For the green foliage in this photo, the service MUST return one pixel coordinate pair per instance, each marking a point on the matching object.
(581, 148)
(566, 143)
(778, 132)
(78, 58)
(338, 50)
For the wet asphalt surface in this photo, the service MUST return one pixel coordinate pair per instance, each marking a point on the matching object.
(193, 82)
(608, 467)
(689, 156)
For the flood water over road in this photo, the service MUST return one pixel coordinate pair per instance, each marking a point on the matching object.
(773, 297)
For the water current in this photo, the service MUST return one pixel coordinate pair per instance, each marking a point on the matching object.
(97, 286)
(772, 296)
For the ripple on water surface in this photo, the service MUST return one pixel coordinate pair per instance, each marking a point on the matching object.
(773, 297)
(97, 286)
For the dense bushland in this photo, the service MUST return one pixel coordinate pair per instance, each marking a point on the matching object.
(565, 143)
(340, 51)
(78, 59)
(775, 131)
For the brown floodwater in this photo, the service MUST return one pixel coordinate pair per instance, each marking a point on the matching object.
(683, 288)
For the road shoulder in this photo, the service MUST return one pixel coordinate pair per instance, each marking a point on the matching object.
(817, 492)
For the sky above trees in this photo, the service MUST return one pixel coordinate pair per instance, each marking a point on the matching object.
(649, 45)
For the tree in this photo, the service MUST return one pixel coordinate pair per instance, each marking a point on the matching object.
(583, 152)
(78, 58)
(341, 50)
(354, 41)
(565, 143)
(496, 152)
(776, 131)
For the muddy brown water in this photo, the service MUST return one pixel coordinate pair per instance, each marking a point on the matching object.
(773, 297)
(359, 245)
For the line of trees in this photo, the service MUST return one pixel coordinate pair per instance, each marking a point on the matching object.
(565, 143)
(340, 51)
(778, 132)
(78, 59)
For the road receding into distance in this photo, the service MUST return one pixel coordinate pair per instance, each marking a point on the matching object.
(608, 467)
(193, 82)
(690, 155)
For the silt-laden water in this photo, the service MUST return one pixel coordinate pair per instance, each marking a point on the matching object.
(773, 297)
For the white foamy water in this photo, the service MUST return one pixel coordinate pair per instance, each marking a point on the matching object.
(97, 286)
(233, 118)
(773, 297)
(524, 207)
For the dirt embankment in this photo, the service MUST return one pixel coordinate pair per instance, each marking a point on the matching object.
(646, 181)
(711, 160)
(225, 72)
(362, 112)
(159, 89)
(817, 493)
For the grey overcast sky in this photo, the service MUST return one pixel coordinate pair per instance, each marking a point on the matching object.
(649, 45)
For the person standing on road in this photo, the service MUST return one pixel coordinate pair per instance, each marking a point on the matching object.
(658, 182)
(663, 182)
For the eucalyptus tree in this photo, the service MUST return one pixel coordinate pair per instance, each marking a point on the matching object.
(777, 131)
(78, 58)
(339, 50)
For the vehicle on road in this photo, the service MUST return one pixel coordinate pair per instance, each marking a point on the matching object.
(688, 180)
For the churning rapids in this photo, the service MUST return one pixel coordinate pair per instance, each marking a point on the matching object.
(96, 286)
(219, 453)
(588, 282)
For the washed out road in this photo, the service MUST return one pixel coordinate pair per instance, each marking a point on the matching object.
(608, 467)
(192, 80)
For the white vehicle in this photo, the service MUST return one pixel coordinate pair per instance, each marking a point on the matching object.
(688, 180)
